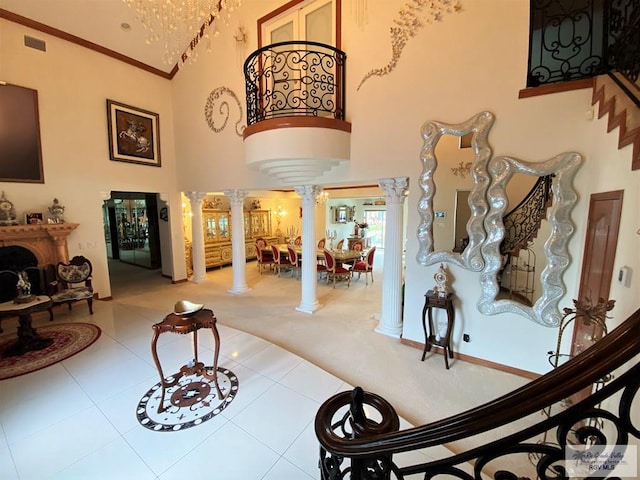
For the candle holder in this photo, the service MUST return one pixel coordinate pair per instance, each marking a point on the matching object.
(331, 236)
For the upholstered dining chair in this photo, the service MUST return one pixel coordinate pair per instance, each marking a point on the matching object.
(365, 266)
(294, 262)
(262, 244)
(73, 283)
(322, 243)
(263, 259)
(340, 244)
(298, 241)
(278, 261)
(356, 247)
(335, 271)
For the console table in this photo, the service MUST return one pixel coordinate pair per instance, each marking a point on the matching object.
(366, 242)
(433, 299)
(183, 324)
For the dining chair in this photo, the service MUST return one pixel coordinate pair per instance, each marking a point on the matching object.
(365, 266)
(298, 241)
(262, 244)
(278, 261)
(335, 271)
(294, 262)
(356, 247)
(340, 244)
(322, 243)
(263, 259)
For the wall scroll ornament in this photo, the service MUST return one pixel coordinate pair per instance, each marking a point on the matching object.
(223, 110)
(413, 17)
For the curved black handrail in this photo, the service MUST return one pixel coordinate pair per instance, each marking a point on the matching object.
(521, 224)
(298, 78)
(598, 361)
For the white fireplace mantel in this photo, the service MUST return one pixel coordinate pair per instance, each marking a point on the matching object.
(48, 242)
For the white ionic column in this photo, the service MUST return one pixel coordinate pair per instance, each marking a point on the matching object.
(395, 190)
(309, 301)
(197, 234)
(239, 255)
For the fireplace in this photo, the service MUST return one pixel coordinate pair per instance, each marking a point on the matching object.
(47, 242)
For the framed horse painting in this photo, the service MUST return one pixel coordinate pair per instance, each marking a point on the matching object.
(134, 134)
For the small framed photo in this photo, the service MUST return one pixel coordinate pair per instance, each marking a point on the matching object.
(134, 134)
(33, 218)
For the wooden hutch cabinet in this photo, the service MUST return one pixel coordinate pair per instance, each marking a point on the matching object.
(257, 223)
(217, 237)
(217, 234)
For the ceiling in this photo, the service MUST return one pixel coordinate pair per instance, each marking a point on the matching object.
(97, 21)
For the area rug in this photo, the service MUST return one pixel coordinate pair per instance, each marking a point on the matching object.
(191, 400)
(68, 339)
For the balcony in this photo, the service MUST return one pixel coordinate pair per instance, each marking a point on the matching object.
(296, 129)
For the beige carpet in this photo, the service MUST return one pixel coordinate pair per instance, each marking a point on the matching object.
(338, 338)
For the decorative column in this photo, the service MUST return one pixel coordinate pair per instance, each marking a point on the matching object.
(309, 301)
(197, 234)
(391, 317)
(239, 255)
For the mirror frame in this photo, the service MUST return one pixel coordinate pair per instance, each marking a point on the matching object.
(471, 257)
(545, 310)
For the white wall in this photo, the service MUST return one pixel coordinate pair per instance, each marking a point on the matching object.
(449, 71)
(73, 84)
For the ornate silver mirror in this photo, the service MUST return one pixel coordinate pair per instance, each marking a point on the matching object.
(464, 252)
(558, 173)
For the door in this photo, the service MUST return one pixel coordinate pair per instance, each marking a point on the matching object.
(308, 20)
(597, 265)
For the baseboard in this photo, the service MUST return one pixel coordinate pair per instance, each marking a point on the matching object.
(476, 361)
(184, 280)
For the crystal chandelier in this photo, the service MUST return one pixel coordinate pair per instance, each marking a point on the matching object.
(322, 198)
(179, 25)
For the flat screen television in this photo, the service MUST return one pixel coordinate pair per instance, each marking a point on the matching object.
(20, 149)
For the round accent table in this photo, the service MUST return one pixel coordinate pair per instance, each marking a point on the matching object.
(183, 324)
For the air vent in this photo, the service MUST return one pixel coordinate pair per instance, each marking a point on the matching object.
(35, 43)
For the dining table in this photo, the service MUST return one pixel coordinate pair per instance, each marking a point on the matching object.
(341, 256)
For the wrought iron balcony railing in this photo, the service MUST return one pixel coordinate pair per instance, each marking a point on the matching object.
(581, 39)
(368, 446)
(297, 78)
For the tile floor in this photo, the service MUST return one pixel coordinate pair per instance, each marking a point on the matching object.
(77, 419)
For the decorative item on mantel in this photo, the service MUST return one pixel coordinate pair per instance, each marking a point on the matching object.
(24, 288)
(256, 205)
(7, 212)
(442, 281)
(57, 212)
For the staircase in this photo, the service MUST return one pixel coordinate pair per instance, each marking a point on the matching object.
(618, 97)
(361, 439)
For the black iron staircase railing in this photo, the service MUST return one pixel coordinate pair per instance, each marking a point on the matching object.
(299, 78)
(355, 446)
(523, 222)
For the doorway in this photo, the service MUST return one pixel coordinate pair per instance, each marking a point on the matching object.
(376, 219)
(131, 228)
(597, 266)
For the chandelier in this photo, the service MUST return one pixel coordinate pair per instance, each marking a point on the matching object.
(179, 25)
(322, 198)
